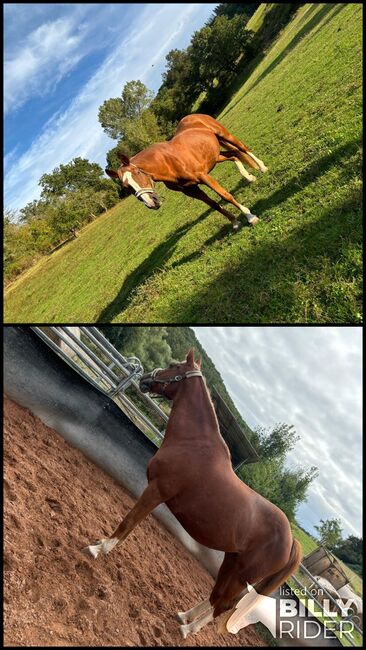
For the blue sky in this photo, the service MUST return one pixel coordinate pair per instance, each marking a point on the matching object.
(310, 377)
(62, 61)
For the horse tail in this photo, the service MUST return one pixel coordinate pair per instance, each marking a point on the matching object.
(270, 583)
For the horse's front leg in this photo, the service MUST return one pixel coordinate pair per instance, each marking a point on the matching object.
(198, 623)
(193, 613)
(214, 185)
(196, 193)
(149, 499)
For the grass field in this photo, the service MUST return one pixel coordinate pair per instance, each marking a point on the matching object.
(300, 112)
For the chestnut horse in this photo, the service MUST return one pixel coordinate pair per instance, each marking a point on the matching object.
(192, 474)
(185, 161)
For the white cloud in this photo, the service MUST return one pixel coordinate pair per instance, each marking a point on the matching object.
(49, 52)
(309, 377)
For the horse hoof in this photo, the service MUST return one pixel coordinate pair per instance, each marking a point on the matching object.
(92, 550)
(252, 178)
(180, 616)
(183, 630)
(264, 169)
(252, 220)
(237, 226)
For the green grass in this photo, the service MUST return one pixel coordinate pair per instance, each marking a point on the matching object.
(300, 112)
(307, 543)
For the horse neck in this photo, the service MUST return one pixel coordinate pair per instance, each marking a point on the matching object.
(193, 415)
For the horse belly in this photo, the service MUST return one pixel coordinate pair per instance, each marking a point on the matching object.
(208, 522)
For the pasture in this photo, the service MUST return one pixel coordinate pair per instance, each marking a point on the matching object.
(300, 112)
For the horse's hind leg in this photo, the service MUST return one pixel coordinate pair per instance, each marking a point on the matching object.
(230, 586)
(243, 151)
(148, 500)
(229, 155)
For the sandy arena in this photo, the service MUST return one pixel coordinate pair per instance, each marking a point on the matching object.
(56, 502)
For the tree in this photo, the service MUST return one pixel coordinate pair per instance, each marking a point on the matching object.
(129, 120)
(79, 173)
(285, 487)
(147, 343)
(330, 532)
(113, 113)
(276, 443)
(350, 550)
(178, 91)
(215, 49)
(230, 9)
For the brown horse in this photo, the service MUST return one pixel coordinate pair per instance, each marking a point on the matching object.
(192, 473)
(185, 161)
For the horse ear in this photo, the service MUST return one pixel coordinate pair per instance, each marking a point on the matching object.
(111, 173)
(190, 356)
(199, 362)
(123, 158)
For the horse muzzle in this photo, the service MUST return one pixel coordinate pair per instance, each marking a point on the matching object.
(149, 198)
(146, 383)
(156, 203)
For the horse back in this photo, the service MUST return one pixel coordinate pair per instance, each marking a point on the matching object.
(199, 121)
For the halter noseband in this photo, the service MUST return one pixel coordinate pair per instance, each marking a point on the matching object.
(146, 382)
(144, 190)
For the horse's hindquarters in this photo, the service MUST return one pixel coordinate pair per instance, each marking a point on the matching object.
(199, 148)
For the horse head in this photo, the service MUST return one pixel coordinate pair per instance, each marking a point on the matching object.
(166, 381)
(141, 183)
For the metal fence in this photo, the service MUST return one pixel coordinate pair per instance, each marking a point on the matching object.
(98, 361)
(309, 594)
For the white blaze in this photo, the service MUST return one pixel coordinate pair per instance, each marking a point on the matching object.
(127, 176)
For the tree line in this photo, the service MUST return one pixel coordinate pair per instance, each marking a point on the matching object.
(272, 477)
(349, 550)
(197, 79)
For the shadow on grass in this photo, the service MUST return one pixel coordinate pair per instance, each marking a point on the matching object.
(308, 175)
(157, 258)
(264, 284)
(292, 187)
(332, 9)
